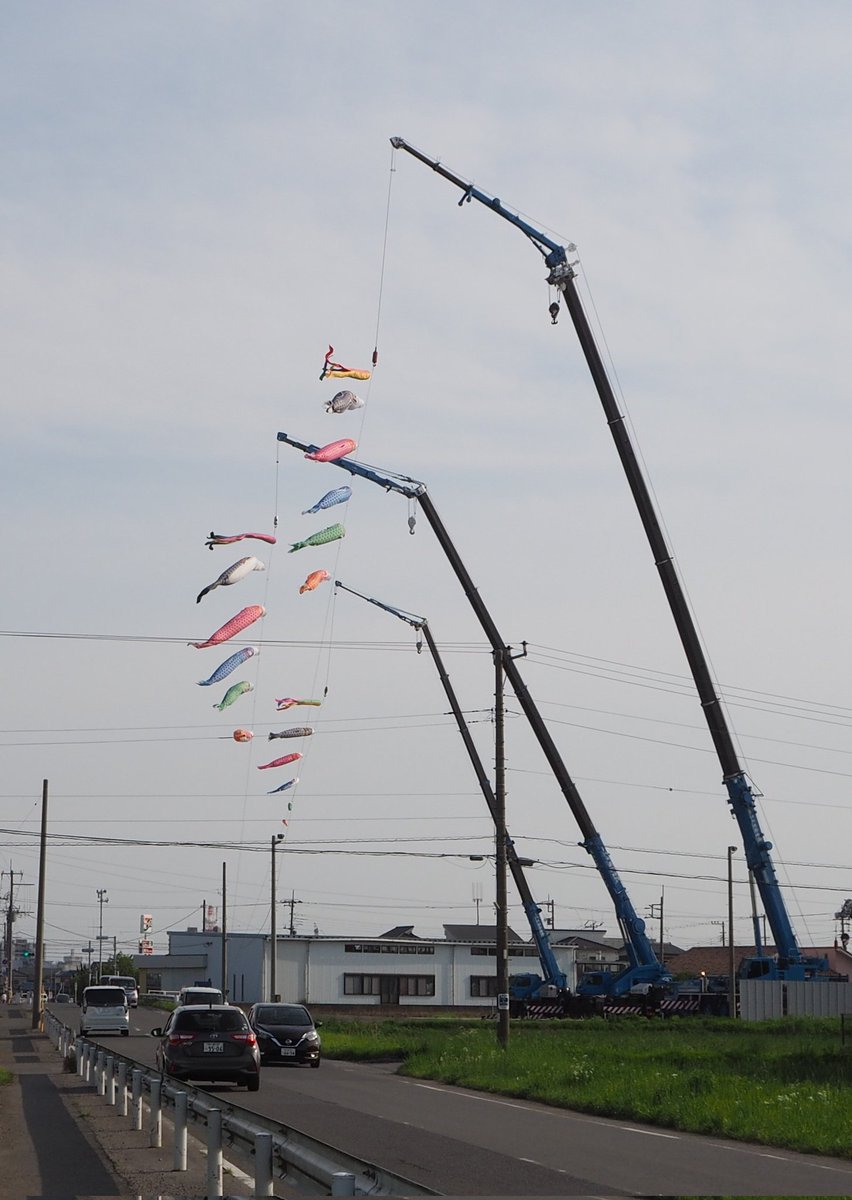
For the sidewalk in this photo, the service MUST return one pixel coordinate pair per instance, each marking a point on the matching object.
(59, 1140)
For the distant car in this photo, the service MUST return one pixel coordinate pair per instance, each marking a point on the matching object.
(128, 983)
(200, 995)
(63, 998)
(104, 1009)
(210, 1042)
(286, 1033)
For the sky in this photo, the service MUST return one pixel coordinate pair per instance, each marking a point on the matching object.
(197, 200)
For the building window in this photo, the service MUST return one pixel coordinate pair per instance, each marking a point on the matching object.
(388, 985)
(417, 985)
(361, 985)
(483, 985)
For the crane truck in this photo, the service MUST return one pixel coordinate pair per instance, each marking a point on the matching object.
(644, 974)
(788, 961)
(548, 991)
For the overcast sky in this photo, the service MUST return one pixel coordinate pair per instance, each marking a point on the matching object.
(197, 199)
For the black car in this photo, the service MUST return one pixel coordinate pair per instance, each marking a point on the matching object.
(211, 1042)
(286, 1033)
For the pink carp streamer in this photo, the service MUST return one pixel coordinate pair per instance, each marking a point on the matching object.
(280, 762)
(243, 735)
(289, 701)
(333, 450)
(244, 618)
(224, 539)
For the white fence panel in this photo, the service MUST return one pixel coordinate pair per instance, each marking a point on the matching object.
(766, 1000)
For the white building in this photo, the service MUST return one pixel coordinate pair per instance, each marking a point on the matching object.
(397, 968)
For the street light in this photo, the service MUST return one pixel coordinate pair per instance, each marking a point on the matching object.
(732, 983)
(273, 930)
(103, 899)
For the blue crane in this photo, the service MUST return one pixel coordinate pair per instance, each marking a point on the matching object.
(789, 962)
(644, 970)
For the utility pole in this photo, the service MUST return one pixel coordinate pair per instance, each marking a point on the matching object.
(502, 946)
(293, 903)
(103, 899)
(39, 954)
(652, 914)
(273, 927)
(11, 913)
(732, 983)
(203, 916)
(549, 904)
(225, 932)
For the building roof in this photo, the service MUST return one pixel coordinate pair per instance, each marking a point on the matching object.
(476, 933)
(402, 931)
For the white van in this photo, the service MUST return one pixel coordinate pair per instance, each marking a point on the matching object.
(200, 995)
(105, 1009)
(129, 984)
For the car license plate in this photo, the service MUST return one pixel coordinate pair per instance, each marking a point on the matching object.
(214, 1047)
(288, 1052)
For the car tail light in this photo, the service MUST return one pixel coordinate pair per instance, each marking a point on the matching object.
(180, 1039)
(247, 1036)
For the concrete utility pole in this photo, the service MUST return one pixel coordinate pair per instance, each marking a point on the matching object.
(39, 954)
(732, 983)
(501, 863)
(293, 903)
(273, 927)
(224, 931)
(103, 899)
(11, 913)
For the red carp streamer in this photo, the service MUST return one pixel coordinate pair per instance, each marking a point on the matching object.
(244, 618)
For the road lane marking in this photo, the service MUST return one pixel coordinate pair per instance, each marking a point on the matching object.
(675, 1137)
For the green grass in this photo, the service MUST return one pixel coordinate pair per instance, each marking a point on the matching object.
(782, 1083)
(5, 1077)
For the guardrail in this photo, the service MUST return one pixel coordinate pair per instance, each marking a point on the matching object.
(276, 1150)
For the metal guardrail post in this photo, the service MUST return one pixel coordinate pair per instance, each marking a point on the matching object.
(263, 1164)
(78, 1053)
(342, 1184)
(100, 1072)
(136, 1097)
(110, 1080)
(156, 1113)
(180, 1131)
(122, 1087)
(214, 1154)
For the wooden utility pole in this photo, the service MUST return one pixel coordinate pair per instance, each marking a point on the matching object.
(39, 954)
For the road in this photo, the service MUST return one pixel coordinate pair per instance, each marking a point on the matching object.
(467, 1143)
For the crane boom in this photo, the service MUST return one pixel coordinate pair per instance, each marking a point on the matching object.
(790, 962)
(553, 976)
(644, 967)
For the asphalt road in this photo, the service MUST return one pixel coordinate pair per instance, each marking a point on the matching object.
(462, 1142)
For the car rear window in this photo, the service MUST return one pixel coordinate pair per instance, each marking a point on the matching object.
(210, 1021)
(283, 1014)
(104, 997)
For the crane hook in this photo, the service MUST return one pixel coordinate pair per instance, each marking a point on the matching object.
(554, 312)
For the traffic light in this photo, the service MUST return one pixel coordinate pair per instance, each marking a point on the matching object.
(25, 954)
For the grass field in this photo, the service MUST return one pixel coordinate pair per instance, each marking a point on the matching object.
(782, 1083)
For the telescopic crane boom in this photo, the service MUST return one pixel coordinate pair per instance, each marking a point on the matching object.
(789, 962)
(644, 969)
(553, 977)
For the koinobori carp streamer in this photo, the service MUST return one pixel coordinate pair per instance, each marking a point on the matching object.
(245, 617)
